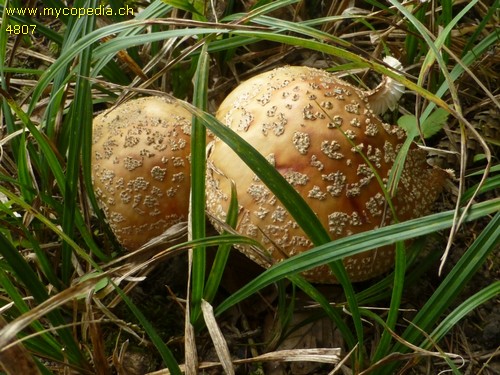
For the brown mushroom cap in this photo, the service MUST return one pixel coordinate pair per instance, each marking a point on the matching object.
(303, 121)
(141, 167)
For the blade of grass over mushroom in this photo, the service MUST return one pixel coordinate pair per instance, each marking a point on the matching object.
(397, 292)
(223, 251)
(197, 212)
(290, 198)
(355, 244)
(382, 290)
(301, 212)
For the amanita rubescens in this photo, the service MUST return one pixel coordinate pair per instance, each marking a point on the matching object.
(313, 128)
(141, 167)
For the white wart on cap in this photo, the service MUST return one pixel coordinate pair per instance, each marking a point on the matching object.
(303, 121)
(141, 167)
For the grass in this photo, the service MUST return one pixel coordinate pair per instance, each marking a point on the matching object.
(56, 247)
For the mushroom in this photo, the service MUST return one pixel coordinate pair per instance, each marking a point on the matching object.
(141, 167)
(316, 130)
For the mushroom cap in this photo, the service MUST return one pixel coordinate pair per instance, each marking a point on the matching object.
(305, 122)
(141, 167)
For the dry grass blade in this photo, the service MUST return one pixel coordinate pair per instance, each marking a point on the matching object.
(220, 343)
(459, 218)
(9, 331)
(257, 253)
(191, 356)
(405, 357)
(319, 355)
(96, 337)
(150, 251)
(418, 353)
(16, 359)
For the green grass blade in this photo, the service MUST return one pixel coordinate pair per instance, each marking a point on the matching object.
(198, 145)
(223, 251)
(163, 349)
(50, 225)
(270, 7)
(356, 244)
(303, 28)
(454, 282)
(183, 5)
(492, 11)
(156, 9)
(332, 313)
(28, 191)
(482, 47)
(412, 41)
(78, 121)
(29, 278)
(14, 221)
(397, 292)
(46, 343)
(452, 318)
(491, 184)
(292, 201)
(444, 36)
(382, 290)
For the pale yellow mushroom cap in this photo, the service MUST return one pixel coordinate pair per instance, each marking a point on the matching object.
(141, 167)
(303, 121)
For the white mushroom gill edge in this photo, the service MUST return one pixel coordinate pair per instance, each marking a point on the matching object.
(388, 92)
